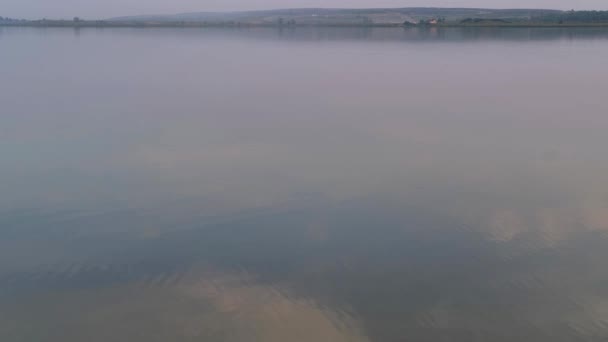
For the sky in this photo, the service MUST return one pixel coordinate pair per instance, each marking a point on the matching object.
(101, 9)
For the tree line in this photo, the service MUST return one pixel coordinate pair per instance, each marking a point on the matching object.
(7, 19)
(576, 17)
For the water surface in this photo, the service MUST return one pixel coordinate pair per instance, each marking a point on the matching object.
(303, 185)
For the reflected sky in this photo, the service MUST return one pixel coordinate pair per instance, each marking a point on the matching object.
(303, 184)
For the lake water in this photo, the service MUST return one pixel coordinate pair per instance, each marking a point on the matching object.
(337, 184)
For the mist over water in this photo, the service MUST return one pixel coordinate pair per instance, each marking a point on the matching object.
(305, 184)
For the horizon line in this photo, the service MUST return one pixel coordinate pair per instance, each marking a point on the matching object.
(303, 8)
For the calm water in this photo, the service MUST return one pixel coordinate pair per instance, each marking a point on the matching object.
(303, 185)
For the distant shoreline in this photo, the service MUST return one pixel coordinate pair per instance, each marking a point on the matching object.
(325, 17)
(106, 24)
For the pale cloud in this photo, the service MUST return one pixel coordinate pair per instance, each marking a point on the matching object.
(206, 307)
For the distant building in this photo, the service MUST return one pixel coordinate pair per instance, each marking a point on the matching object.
(432, 21)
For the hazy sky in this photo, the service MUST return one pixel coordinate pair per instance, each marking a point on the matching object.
(91, 9)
